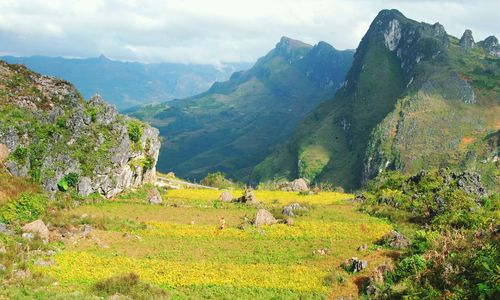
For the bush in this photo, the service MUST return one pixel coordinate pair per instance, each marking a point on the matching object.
(26, 208)
(70, 180)
(128, 285)
(20, 154)
(218, 180)
(135, 130)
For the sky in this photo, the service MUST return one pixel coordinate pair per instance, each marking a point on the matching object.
(212, 31)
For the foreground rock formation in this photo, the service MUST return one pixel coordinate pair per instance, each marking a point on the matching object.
(60, 140)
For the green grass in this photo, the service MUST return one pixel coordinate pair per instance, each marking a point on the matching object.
(178, 248)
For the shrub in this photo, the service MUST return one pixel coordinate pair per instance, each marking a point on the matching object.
(128, 285)
(70, 180)
(26, 208)
(20, 154)
(218, 180)
(135, 130)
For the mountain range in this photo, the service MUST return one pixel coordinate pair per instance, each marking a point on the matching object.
(411, 97)
(127, 84)
(415, 98)
(236, 123)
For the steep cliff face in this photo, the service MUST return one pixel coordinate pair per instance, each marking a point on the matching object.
(52, 135)
(414, 98)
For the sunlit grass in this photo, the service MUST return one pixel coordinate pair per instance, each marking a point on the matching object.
(179, 247)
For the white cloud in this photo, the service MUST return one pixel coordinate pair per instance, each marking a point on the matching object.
(201, 31)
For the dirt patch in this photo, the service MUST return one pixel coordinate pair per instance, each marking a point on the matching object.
(4, 153)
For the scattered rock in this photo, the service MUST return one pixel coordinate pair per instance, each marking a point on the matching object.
(298, 185)
(28, 236)
(226, 196)
(289, 221)
(378, 277)
(44, 263)
(359, 198)
(2, 268)
(291, 209)
(354, 264)
(5, 230)
(243, 226)
(38, 228)
(86, 229)
(323, 251)
(396, 240)
(363, 247)
(154, 196)
(264, 217)
(20, 274)
(2, 249)
(248, 197)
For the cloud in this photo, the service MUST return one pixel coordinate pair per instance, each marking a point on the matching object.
(200, 31)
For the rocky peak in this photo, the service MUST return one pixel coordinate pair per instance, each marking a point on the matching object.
(491, 46)
(467, 41)
(291, 49)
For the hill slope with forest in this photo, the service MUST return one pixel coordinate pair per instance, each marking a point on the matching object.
(235, 124)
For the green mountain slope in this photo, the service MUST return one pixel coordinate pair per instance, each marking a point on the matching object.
(235, 124)
(414, 98)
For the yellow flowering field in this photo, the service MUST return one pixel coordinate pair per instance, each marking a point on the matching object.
(178, 246)
(264, 196)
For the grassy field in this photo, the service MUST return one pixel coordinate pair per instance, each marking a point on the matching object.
(178, 247)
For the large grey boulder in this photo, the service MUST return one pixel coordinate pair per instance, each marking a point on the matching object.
(37, 228)
(264, 217)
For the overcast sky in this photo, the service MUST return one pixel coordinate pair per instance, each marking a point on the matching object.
(211, 31)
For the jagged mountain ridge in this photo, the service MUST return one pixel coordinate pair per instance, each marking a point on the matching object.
(50, 132)
(408, 82)
(235, 124)
(127, 84)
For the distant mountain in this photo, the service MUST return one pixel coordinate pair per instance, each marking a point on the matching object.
(236, 123)
(126, 84)
(414, 98)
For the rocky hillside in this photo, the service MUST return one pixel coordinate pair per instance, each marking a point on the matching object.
(127, 84)
(59, 140)
(414, 98)
(235, 124)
